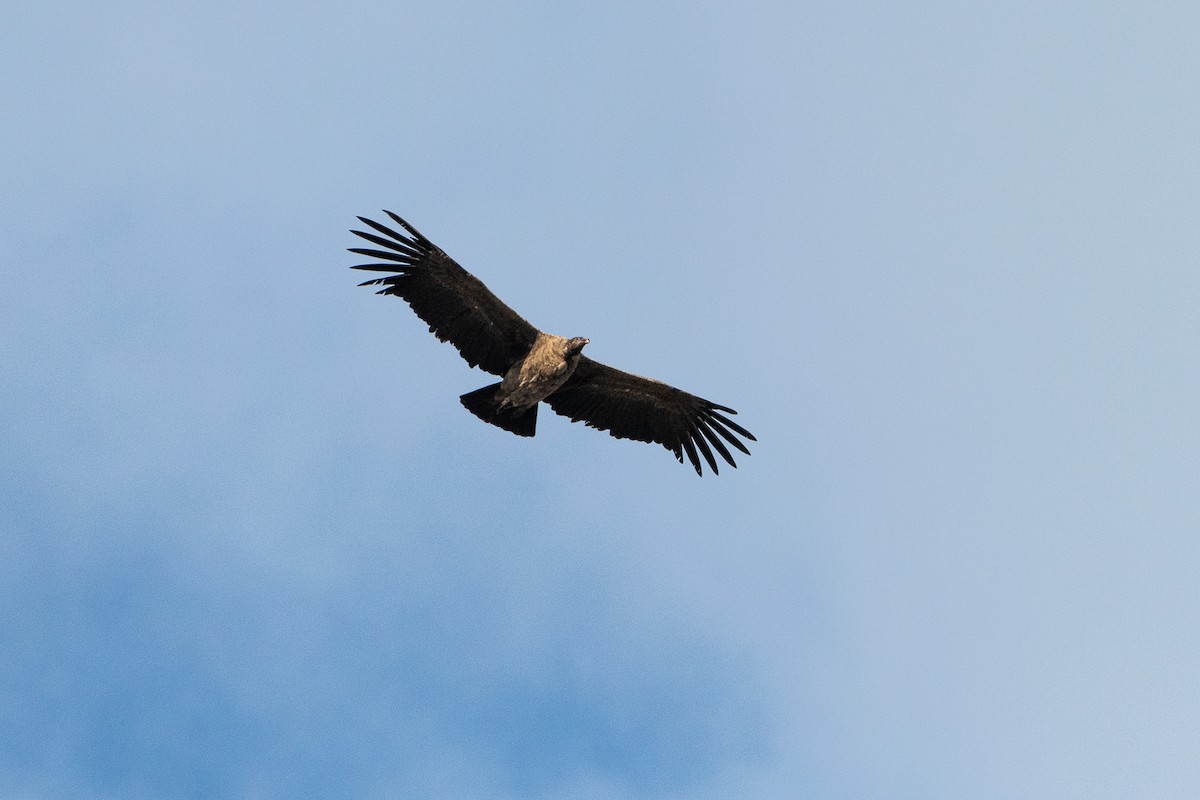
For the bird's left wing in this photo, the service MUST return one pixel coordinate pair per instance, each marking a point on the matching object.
(632, 407)
(454, 303)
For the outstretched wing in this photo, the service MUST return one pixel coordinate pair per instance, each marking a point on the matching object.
(455, 304)
(632, 407)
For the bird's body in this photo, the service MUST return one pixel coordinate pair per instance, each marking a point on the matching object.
(536, 366)
(512, 403)
(551, 361)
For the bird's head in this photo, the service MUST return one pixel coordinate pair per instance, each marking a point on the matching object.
(575, 346)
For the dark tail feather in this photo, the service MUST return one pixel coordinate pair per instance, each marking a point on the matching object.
(482, 403)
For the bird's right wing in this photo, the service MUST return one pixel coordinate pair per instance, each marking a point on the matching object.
(454, 303)
(629, 406)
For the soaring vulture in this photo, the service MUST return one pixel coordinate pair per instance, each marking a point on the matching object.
(538, 366)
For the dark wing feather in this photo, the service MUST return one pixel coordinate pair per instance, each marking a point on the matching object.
(632, 407)
(454, 303)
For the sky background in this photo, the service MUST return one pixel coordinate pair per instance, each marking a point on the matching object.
(942, 257)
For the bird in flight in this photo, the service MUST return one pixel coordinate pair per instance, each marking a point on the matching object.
(536, 366)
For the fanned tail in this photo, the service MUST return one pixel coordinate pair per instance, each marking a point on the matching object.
(483, 404)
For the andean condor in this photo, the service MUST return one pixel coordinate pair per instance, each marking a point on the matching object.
(538, 366)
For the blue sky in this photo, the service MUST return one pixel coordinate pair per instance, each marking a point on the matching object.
(941, 257)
